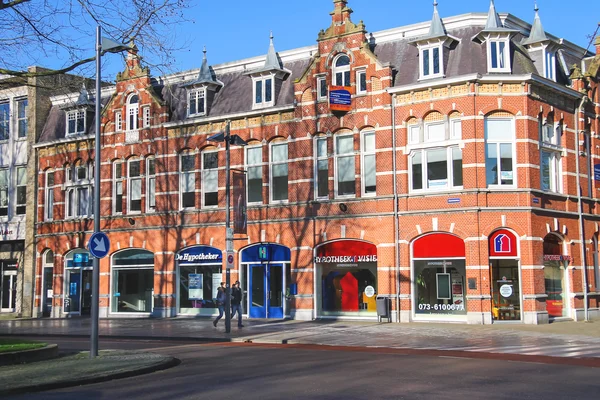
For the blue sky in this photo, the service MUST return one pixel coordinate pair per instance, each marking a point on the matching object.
(237, 29)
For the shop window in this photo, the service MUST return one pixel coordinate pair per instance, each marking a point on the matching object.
(134, 186)
(436, 168)
(196, 102)
(279, 171)
(21, 190)
(321, 88)
(439, 275)
(369, 164)
(341, 71)
(499, 160)
(118, 187)
(4, 121)
(199, 277)
(498, 55)
(321, 168)
(210, 179)
(188, 180)
(555, 266)
(361, 82)
(3, 192)
(254, 169)
(132, 281)
(22, 118)
(263, 91)
(75, 122)
(150, 184)
(345, 184)
(49, 196)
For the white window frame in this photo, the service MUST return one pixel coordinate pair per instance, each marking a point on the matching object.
(21, 119)
(5, 189)
(146, 117)
(359, 74)
(423, 152)
(316, 166)
(550, 64)
(343, 69)
(133, 110)
(196, 94)
(20, 185)
(426, 131)
(150, 184)
(499, 53)
(555, 170)
(76, 115)
(455, 128)
(366, 153)
(322, 83)
(413, 130)
(131, 180)
(73, 188)
(5, 119)
(273, 163)
(337, 158)
(117, 185)
(512, 142)
(206, 171)
(263, 79)
(49, 195)
(252, 166)
(182, 179)
(426, 51)
(118, 121)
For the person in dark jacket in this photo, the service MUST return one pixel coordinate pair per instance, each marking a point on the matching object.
(221, 299)
(236, 302)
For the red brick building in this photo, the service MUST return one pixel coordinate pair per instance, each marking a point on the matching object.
(446, 165)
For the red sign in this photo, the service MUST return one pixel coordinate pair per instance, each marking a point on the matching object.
(503, 243)
(346, 251)
(240, 215)
(439, 245)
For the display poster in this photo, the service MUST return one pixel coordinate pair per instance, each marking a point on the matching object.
(195, 287)
(240, 216)
(458, 295)
(216, 282)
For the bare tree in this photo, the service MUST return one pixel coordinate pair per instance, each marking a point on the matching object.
(35, 31)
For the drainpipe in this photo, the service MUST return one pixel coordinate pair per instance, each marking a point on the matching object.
(396, 224)
(580, 113)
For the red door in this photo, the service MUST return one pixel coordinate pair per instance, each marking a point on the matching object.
(349, 293)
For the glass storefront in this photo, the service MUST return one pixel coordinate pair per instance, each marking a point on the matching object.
(440, 287)
(78, 283)
(554, 277)
(199, 274)
(347, 278)
(506, 292)
(132, 281)
(8, 286)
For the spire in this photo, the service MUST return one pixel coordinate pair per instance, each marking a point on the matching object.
(493, 20)
(205, 76)
(272, 62)
(437, 27)
(537, 33)
(84, 97)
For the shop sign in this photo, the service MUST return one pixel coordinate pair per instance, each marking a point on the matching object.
(240, 216)
(503, 243)
(345, 259)
(369, 291)
(340, 98)
(597, 172)
(199, 255)
(506, 290)
(346, 253)
(557, 257)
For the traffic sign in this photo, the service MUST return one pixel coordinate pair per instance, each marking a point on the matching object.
(99, 245)
(229, 264)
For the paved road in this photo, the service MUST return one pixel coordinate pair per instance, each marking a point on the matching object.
(250, 371)
(565, 339)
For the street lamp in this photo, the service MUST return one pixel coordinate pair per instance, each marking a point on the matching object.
(103, 45)
(229, 139)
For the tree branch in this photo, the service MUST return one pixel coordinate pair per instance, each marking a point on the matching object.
(11, 4)
(48, 72)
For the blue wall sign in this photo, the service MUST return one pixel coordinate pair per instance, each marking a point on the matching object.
(597, 172)
(199, 255)
(340, 98)
(453, 200)
(99, 245)
(272, 252)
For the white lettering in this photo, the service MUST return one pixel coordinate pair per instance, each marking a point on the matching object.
(187, 257)
(345, 259)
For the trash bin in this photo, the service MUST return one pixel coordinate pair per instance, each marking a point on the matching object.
(383, 308)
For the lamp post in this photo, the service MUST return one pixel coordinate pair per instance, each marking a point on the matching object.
(103, 45)
(229, 140)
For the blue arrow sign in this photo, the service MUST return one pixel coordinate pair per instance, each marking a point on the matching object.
(99, 245)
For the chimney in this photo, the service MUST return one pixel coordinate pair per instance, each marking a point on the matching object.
(597, 43)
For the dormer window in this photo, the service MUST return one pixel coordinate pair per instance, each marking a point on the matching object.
(431, 61)
(550, 65)
(341, 71)
(75, 122)
(263, 91)
(498, 55)
(196, 102)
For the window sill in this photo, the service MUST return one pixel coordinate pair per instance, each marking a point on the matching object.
(279, 202)
(196, 115)
(445, 190)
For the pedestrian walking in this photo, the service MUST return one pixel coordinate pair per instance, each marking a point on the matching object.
(236, 303)
(221, 298)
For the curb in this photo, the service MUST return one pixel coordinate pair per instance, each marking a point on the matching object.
(168, 363)
(27, 356)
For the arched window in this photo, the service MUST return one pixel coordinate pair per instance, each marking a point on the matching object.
(133, 112)
(341, 71)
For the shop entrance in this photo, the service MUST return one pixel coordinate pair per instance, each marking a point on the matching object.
(266, 294)
(9, 291)
(555, 264)
(505, 276)
(78, 283)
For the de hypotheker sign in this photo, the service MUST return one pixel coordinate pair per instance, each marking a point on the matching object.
(199, 255)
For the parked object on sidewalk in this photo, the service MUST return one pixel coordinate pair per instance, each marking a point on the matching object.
(383, 308)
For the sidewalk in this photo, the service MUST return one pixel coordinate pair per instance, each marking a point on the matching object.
(560, 339)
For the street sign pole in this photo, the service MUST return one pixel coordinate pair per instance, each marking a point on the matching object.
(228, 233)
